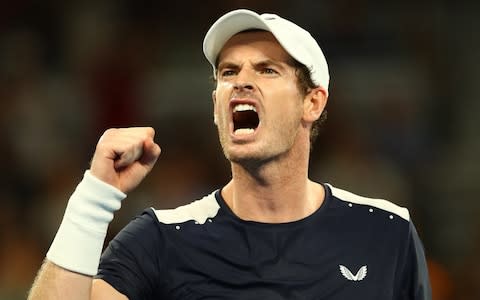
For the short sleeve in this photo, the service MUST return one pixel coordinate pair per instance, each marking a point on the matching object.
(415, 282)
(130, 263)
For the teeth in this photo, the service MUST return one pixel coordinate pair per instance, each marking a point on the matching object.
(244, 131)
(244, 107)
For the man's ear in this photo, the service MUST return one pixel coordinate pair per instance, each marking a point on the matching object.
(214, 99)
(314, 104)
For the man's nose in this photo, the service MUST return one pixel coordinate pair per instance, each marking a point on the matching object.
(244, 80)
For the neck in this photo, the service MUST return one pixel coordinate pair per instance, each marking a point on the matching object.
(277, 191)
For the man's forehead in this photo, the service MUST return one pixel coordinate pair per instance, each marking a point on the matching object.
(251, 36)
(260, 40)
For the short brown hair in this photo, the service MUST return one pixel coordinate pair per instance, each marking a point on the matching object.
(305, 85)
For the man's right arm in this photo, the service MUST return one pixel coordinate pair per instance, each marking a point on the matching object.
(122, 159)
(54, 282)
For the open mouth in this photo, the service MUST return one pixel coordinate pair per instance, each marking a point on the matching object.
(245, 119)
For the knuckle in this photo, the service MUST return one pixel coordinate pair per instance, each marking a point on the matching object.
(110, 131)
(108, 134)
(150, 131)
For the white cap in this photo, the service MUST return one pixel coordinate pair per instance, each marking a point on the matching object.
(295, 40)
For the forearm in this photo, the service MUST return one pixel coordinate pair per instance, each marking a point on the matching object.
(122, 159)
(73, 258)
(54, 282)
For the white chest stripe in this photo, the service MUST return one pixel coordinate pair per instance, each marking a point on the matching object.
(378, 203)
(199, 211)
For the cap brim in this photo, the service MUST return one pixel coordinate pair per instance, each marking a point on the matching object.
(226, 27)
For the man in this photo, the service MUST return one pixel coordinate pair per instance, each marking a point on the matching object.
(270, 233)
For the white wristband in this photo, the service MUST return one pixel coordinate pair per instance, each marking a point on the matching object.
(78, 243)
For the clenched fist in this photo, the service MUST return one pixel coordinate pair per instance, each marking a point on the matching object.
(124, 156)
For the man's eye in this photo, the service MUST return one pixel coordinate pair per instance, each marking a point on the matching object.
(227, 73)
(269, 71)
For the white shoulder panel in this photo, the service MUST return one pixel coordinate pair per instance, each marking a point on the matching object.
(199, 211)
(378, 203)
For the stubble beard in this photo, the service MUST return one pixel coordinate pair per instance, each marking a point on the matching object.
(261, 154)
(243, 157)
(277, 142)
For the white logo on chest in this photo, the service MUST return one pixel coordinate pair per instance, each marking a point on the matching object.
(361, 274)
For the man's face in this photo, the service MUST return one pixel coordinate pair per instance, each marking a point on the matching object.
(257, 104)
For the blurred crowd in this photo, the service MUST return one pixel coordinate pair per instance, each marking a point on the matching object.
(402, 121)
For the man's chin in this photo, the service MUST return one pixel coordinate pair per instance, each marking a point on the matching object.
(248, 160)
(242, 158)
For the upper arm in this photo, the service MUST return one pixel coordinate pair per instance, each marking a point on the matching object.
(132, 262)
(421, 281)
(415, 283)
(102, 290)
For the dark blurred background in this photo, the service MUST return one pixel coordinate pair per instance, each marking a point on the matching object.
(402, 114)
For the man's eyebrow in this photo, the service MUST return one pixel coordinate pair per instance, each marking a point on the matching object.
(258, 64)
(228, 65)
(270, 62)
(279, 65)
